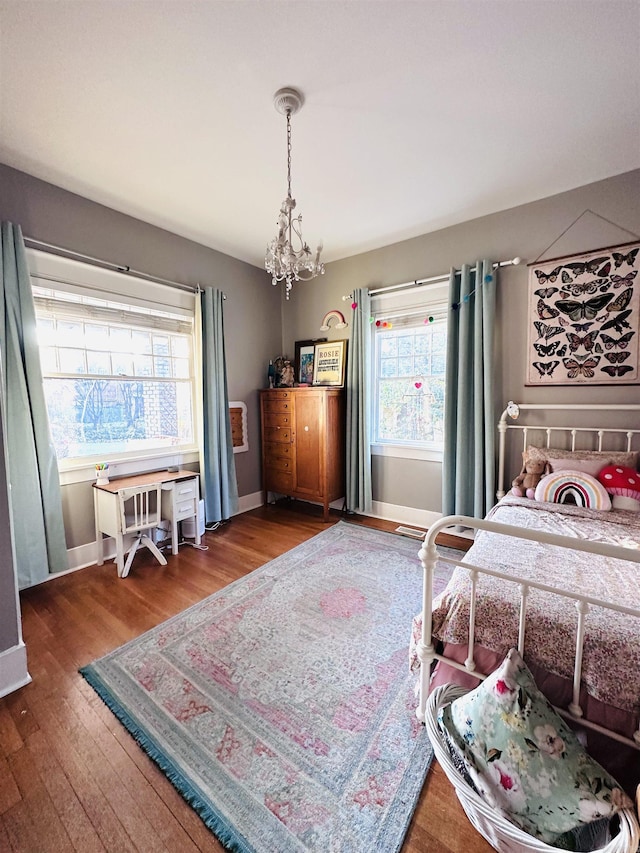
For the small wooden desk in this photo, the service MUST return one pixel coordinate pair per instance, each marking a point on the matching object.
(180, 497)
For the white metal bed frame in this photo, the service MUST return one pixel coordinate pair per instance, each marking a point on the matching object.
(429, 556)
(596, 435)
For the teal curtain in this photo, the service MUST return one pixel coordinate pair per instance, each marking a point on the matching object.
(218, 477)
(358, 455)
(468, 470)
(35, 500)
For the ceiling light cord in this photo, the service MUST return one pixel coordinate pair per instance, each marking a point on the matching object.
(289, 153)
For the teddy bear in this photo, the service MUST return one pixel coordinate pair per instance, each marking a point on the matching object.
(534, 468)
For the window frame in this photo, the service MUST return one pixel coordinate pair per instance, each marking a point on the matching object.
(59, 273)
(419, 301)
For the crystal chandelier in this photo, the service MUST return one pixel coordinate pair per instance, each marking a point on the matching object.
(288, 256)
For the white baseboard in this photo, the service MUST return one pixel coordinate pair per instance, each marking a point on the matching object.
(404, 514)
(13, 669)
(86, 555)
(389, 512)
(416, 517)
(252, 501)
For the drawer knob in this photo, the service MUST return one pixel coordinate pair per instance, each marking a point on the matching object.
(306, 429)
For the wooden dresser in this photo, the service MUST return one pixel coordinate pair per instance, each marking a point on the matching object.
(303, 443)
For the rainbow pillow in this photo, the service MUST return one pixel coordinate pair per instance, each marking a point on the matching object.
(573, 487)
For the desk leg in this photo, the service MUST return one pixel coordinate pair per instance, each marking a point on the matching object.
(99, 540)
(174, 534)
(120, 554)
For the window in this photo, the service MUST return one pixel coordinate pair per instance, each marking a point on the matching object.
(118, 376)
(409, 355)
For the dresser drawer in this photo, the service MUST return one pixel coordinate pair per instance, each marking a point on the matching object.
(278, 481)
(278, 403)
(279, 463)
(273, 449)
(278, 434)
(281, 419)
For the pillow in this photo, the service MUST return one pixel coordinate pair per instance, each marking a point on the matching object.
(585, 466)
(573, 487)
(586, 461)
(523, 758)
(623, 484)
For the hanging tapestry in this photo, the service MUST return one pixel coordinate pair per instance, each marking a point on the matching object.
(584, 315)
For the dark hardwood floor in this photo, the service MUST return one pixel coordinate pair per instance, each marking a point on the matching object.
(71, 778)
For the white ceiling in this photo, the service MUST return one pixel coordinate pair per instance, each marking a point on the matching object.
(418, 115)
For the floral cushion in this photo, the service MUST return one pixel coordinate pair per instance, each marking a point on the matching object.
(524, 760)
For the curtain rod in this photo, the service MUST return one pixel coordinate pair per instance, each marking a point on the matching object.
(121, 268)
(434, 278)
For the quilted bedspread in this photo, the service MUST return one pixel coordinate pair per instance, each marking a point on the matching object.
(611, 663)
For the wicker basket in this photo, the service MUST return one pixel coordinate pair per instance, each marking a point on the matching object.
(500, 833)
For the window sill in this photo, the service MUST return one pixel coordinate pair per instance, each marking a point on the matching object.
(401, 452)
(82, 472)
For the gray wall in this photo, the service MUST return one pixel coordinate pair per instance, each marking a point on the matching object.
(525, 231)
(259, 326)
(252, 308)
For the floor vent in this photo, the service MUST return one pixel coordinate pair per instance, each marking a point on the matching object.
(411, 531)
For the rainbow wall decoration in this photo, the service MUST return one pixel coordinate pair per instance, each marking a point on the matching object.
(573, 487)
(333, 315)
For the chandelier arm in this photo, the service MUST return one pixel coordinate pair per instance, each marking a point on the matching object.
(298, 232)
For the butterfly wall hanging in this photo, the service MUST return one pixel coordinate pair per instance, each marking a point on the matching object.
(584, 319)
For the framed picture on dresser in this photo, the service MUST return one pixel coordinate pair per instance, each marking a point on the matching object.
(304, 360)
(329, 363)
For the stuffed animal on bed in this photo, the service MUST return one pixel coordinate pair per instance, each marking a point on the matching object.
(533, 470)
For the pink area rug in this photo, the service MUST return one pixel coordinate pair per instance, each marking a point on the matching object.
(282, 707)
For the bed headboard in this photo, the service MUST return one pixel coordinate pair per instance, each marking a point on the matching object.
(543, 425)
